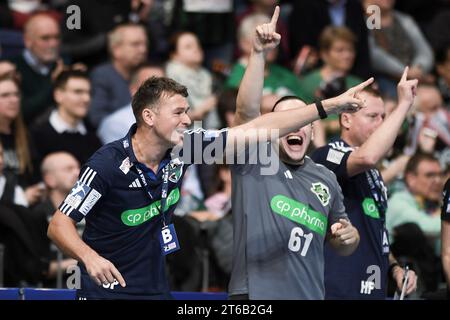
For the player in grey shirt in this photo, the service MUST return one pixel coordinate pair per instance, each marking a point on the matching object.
(281, 220)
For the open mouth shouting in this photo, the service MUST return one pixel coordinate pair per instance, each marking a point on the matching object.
(295, 142)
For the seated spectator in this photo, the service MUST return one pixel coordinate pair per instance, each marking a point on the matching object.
(59, 172)
(38, 64)
(89, 43)
(66, 129)
(443, 72)
(396, 44)
(185, 66)
(128, 48)
(14, 138)
(420, 202)
(309, 18)
(337, 51)
(10, 191)
(431, 127)
(116, 125)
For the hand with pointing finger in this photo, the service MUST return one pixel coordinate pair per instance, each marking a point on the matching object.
(345, 232)
(349, 101)
(266, 37)
(406, 89)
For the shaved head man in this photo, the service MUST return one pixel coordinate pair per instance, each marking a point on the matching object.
(59, 172)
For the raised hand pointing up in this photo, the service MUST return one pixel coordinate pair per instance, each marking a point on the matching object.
(266, 37)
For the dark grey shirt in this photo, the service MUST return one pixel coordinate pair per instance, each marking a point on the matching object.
(280, 224)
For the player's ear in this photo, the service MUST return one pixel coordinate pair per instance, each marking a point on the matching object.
(148, 116)
(345, 120)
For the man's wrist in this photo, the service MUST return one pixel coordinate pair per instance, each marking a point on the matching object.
(320, 109)
(392, 267)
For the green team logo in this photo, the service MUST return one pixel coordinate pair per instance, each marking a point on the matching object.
(370, 208)
(176, 175)
(300, 213)
(322, 192)
(135, 217)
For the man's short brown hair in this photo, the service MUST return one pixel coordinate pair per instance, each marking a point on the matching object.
(150, 92)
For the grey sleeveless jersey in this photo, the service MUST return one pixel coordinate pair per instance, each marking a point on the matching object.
(280, 223)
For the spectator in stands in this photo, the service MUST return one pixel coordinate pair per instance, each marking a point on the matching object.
(6, 67)
(66, 129)
(10, 190)
(431, 123)
(117, 124)
(128, 48)
(337, 51)
(14, 138)
(443, 72)
(89, 43)
(309, 18)
(39, 64)
(420, 202)
(396, 44)
(185, 66)
(59, 171)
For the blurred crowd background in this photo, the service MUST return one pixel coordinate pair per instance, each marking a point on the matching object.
(65, 90)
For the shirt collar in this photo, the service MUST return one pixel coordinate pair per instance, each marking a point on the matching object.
(127, 145)
(35, 64)
(61, 126)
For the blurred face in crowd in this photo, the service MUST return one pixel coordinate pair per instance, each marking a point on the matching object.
(74, 99)
(142, 75)
(357, 127)
(340, 56)
(293, 146)
(61, 171)
(42, 38)
(443, 69)
(426, 181)
(429, 99)
(130, 48)
(9, 100)
(6, 67)
(188, 50)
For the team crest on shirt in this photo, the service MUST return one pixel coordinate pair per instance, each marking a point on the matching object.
(322, 192)
(176, 170)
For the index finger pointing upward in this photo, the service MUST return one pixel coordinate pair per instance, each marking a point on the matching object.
(405, 74)
(275, 16)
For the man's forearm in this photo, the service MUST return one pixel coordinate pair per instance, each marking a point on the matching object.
(250, 90)
(64, 234)
(445, 250)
